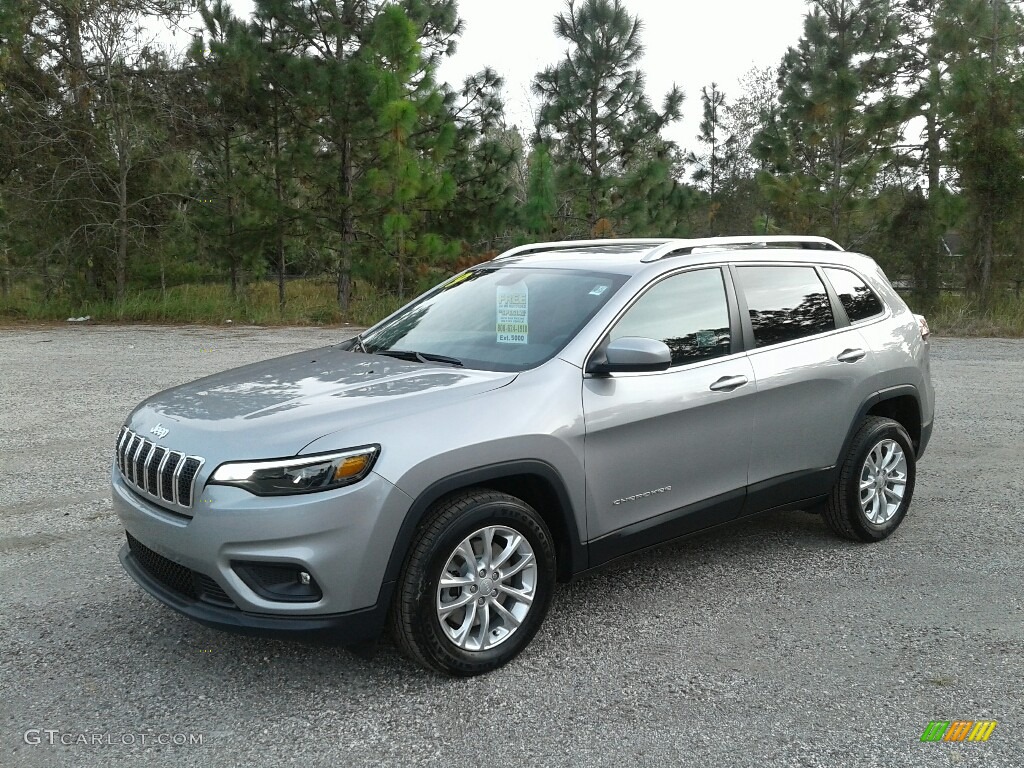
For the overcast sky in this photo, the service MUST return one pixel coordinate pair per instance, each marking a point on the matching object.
(688, 42)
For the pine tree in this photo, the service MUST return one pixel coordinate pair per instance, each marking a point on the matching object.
(594, 114)
(719, 156)
(484, 164)
(406, 184)
(983, 42)
(538, 214)
(920, 197)
(838, 117)
(219, 54)
(275, 146)
(359, 108)
(720, 149)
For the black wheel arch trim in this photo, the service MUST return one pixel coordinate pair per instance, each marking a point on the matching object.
(573, 550)
(882, 395)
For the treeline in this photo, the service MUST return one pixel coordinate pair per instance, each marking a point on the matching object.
(314, 138)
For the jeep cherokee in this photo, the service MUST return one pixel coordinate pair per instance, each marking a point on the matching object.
(525, 421)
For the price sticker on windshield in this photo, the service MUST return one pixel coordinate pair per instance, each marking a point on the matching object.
(513, 303)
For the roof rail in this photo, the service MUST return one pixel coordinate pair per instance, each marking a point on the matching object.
(568, 245)
(686, 247)
(664, 247)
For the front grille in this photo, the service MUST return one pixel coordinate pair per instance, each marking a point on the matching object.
(167, 572)
(178, 578)
(168, 475)
(154, 470)
(189, 468)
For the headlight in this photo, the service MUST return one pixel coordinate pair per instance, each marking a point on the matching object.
(302, 474)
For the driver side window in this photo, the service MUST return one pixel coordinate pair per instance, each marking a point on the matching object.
(689, 312)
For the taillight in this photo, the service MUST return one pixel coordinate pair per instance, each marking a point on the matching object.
(922, 323)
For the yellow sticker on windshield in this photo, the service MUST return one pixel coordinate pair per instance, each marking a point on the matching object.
(457, 279)
(513, 304)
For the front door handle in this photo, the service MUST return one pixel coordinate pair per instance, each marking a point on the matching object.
(728, 383)
(851, 355)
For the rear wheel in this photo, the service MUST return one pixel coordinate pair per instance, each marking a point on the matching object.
(876, 482)
(477, 583)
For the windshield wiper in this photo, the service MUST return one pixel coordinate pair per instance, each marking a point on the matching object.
(419, 357)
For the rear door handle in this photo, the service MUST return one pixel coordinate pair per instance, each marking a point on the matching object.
(851, 355)
(728, 383)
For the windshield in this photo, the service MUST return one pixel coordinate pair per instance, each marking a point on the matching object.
(505, 319)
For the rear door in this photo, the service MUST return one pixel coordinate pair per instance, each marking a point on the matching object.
(810, 369)
(667, 452)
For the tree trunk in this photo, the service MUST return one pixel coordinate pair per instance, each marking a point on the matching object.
(594, 169)
(5, 274)
(988, 217)
(232, 251)
(346, 172)
(835, 194)
(122, 224)
(347, 225)
(930, 283)
(279, 195)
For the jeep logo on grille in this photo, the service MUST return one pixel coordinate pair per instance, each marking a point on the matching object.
(160, 430)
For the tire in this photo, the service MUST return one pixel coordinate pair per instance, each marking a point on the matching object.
(455, 640)
(866, 515)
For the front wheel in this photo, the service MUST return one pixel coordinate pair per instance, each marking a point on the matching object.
(477, 583)
(876, 482)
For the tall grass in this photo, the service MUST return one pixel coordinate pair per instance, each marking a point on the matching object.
(957, 315)
(313, 302)
(307, 302)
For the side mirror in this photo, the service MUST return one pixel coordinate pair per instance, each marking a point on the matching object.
(632, 354)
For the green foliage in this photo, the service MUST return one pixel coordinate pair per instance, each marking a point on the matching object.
(482, 165)
(838, 117)
(985, 101)
(541, 206)
(720, 149)
(313, 139)
(594, 115)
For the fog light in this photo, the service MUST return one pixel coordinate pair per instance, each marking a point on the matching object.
(283, 582)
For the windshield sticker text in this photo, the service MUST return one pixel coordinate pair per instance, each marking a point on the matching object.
(513, 304)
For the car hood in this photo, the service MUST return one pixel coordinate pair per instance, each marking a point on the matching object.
(277, 407)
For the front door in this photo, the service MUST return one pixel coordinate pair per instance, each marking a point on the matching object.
(667, 452)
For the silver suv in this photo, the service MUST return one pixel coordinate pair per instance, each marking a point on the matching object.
(526, 421)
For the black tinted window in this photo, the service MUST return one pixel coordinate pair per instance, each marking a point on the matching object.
(689, 312)
(858, 300)
(785, 303)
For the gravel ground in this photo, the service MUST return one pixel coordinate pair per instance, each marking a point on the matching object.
(769, 643)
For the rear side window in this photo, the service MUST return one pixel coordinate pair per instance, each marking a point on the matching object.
(859, 301)
(689, 312)
(785, 303)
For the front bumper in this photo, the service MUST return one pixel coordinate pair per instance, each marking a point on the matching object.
(343, 538)
(353, 628)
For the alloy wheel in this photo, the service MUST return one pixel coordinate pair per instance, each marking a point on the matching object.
(883, 482)
(487, 588)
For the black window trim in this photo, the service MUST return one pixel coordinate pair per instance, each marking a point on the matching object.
(828, 284)
(841, 321)
(736, 343)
